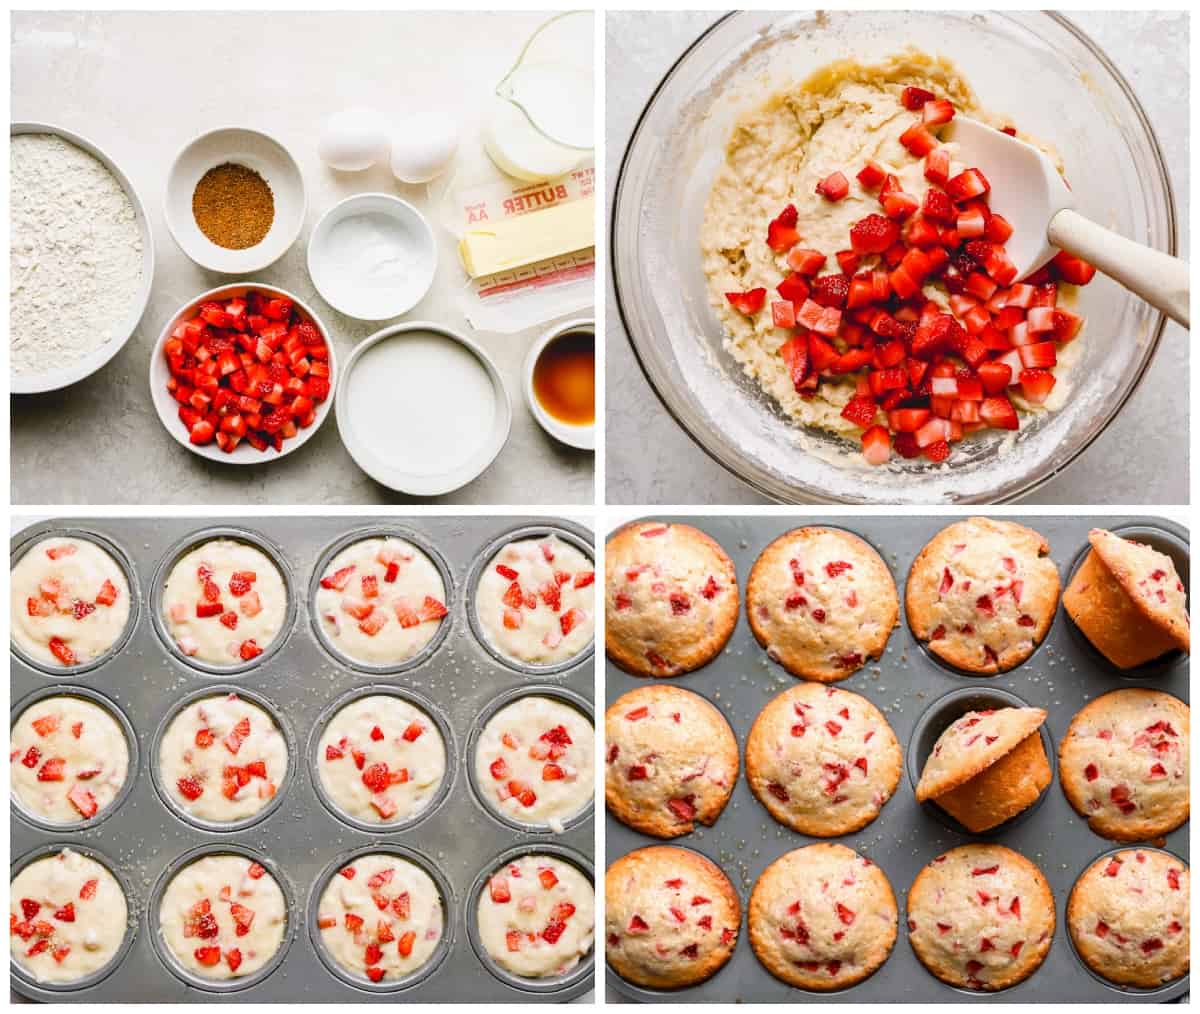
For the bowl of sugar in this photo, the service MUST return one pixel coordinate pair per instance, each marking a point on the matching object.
(372, 256)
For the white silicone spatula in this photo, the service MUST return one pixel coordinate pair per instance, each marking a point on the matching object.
(1028, 191)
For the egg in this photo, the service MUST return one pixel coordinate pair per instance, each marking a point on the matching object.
(353, 139)
(423, 146)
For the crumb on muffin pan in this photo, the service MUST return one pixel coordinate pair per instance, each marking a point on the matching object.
(222, 821)
(916, 695)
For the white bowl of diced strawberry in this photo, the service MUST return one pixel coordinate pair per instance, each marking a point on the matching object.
(243, 374)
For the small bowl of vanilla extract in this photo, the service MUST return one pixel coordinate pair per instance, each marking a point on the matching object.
(560, 382)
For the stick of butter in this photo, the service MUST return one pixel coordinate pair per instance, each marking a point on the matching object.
(514, 242)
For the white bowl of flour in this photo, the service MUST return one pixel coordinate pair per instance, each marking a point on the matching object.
(81, 258)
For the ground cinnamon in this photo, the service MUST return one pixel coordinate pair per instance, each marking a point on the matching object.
(233, 206)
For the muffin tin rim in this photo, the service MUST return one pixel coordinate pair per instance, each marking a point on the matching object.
(108, 545)
(133, 767)
(156, 775)
(473, 895)
(421, 703)
(194, 540)
(574, 535)
(361, 534)
(163, 951)
(563, 695)
(445, 891)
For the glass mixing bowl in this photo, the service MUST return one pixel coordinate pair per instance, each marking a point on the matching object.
(1036, 68)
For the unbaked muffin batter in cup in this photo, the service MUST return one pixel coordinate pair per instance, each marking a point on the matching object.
(381, 759)
(224, 602)
(380, 601)
(222, 759)
(536, 917)
(67, 917)
(70, 601)
(68, 759)
(535, 602)
(533, 761)
(223, 917)
(381, 917)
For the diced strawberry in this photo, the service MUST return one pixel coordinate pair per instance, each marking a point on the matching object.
(571, 619)
(873, 234)
(498, 887)
(52, 770)
(249, 649)
(918, 140)
(62, 651)
(83, 801)
(339, 579)
(999, 412)
(1073, 269)
(915, 98)
(968, 184)
(937, 112)
(793, 288)
(781, 231)
(1038, 356)
(834, 187)
(1036, 384)
(805, 261)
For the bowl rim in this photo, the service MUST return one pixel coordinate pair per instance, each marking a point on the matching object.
(405, 209)
(65, 376)
(163, 400)
(810, 496)
(266, 258)
(580, 437)
(449, 481)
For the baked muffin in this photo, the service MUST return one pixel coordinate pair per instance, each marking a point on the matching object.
(823, 761)
(672, 917)
(671, 760)
(821, 602)
(1128, 601)
(1128, 916)
(822, 917)
(987, 767)
(982, 594)
(670, 596)
(981, 917)
(1124, 764)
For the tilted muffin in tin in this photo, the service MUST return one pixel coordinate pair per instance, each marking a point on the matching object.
(671, 598)
(1124, 764)
(822, 917)
(1129, 917)
(982, 594)
(981, 917)
(821, 602)
(671, 760)
(671, 918)
(822, 760)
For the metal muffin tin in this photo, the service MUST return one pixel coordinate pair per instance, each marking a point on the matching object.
(300, 839)
(919, 695)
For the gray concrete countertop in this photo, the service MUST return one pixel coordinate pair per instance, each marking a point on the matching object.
(141, 86)
(1141, 458)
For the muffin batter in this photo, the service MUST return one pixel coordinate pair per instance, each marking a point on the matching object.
(537, 916)
(381, 601)
(533, 761)
(70, 601)
(67, 917)
(381, 759)
(223, 917)
(68, 759)
(224, 602)
(381, 917)
(535, 601)
(222, 759)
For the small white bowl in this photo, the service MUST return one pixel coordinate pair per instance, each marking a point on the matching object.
(53, 380)
(415, 245)
(254, 150)
(413, 408)
(168, 407)
(583, 437)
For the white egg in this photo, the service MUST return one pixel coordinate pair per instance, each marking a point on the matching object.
(353, 139)
(423, 146)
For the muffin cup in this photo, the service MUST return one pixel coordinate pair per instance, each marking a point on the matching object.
(135, 599)
(131, 743)
(193, 541)
(378, 532)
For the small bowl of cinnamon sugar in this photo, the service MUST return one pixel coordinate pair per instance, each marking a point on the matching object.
(235, 200)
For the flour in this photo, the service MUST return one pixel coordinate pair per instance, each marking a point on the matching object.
(76, 255)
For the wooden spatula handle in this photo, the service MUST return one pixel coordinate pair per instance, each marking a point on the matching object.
(1160, 279)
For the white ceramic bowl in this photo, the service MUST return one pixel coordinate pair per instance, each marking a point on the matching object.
(418, 248)
(55, 379)
(583, 437)
(254, 150)
(168, 407)
(405, 397)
